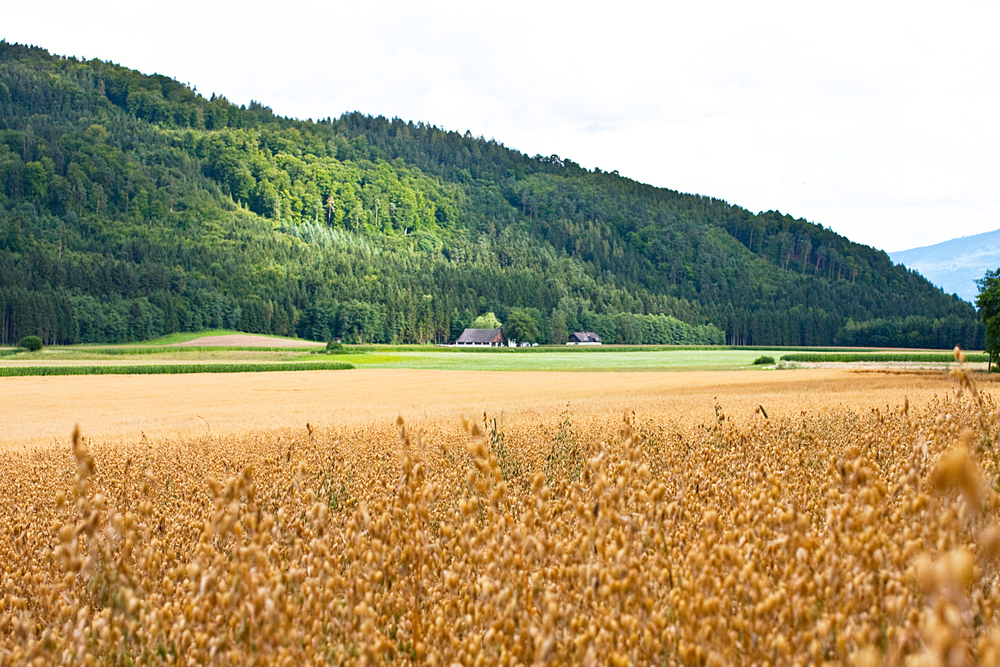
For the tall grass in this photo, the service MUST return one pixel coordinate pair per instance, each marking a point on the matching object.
(849, 357)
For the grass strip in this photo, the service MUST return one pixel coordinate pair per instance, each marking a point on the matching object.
(171, 369)
(931, 357)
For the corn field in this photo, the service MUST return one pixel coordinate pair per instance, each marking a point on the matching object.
(171, 369)
(841, 537)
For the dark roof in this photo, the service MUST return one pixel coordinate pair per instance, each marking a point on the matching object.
(585, 337)
(480, 336)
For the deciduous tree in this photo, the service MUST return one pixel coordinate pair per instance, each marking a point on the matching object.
(487, 321)
(988, 303)
(521, 326)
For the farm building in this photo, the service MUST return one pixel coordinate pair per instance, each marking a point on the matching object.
(481, 338)
(584, 338)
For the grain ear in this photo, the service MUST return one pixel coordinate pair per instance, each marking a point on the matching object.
(603, 535)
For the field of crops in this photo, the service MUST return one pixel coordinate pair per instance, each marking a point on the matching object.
(858, 533)
(199, 350)
(171, 369)
(879, 357)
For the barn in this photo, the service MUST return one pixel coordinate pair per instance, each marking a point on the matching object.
(481, 338)
(584, 338)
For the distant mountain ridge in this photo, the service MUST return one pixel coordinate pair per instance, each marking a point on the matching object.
(955, 265)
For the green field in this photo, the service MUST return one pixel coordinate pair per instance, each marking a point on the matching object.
(534, 359)
(147, 357)
(543, 359)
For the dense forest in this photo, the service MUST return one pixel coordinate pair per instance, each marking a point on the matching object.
(131, 206)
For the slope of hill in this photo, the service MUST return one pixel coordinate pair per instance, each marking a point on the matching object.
(955, 265)
(131, 207)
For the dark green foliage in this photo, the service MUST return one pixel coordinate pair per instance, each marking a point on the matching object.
(338, 348)
(935, 357)
(631, 329)
(988, 303)
(30, 343)
(763, 360)
(521, 326)
(171, 369)
(132, 207)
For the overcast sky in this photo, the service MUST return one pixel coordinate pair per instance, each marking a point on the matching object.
(879, 120)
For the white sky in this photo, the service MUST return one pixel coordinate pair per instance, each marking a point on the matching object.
(879, 120)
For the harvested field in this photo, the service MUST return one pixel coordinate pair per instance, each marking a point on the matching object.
(656, 519)
(236, 340)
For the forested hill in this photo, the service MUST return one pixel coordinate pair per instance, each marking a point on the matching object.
(131, 206)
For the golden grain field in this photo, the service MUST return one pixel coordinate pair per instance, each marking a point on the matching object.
(839, 527)
(43, 410)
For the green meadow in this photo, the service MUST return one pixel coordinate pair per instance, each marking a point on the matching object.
(546, 359)
(160, 358)
(536, 359)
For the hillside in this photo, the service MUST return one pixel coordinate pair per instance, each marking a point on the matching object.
(955, 265)
(131, 206)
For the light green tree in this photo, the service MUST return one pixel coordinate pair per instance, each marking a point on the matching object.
(487, 321)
